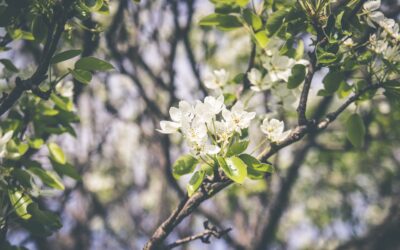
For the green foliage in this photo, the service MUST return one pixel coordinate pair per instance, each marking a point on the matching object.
(234, 168)
(184, 165)
(221, 21)
(297, 77)
(356, 130)
(195, 182)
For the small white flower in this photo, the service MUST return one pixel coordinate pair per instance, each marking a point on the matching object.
(223, 131)
(185, 111)
(4, 139)
(194, 131)
(217, 79)
(237, 118)
(258, 82)
(279, 67)
(274, 128)
(203, 147)
(348, 42)
(215, 104)
(372, 5)
(65, 89)
(168, 127)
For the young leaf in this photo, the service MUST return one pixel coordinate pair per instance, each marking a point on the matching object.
(81, 75)
(355, 130)
(255, 169)
(64, 56)
(184, 165)
(332, 81)
(238, 147)
(252, 19)
(234, 168)
(221, 21)
(275, 21)
(20, 202)
(56, 153)
(297, 77)
(326, 58)
(195, 182)
(48, 178)
(93, 64)
(62, 102)
(66, 169)
(262, 38)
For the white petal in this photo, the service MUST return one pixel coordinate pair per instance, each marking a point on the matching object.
(175, 114)
(372, 5)
(6, 137)
(211, 149)
(168, 127)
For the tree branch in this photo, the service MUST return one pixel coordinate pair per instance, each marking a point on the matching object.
(60, 18)
(204, 236)
(187, 206)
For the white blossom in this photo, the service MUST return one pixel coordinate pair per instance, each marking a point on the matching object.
(279, 67)
(236, 118)
(258, 82)
(217, 79)
(274, 129)
(4, 139)
(194, 131)
(185, 111)
(168, 127)
(65, 89)
(203, 147)
(372, 5)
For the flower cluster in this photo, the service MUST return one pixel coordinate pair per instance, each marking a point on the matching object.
(217, 79)
(207, 126)
(387, 44)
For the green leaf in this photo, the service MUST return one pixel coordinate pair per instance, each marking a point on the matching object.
(252, 19)
(48, 178)
(356, 130)
(237, 147)
(35, 143)
(23, 177)
(195, 182)
(255, 169)
(47, 219)
(81, 75)
(299, 50)
(61, 102)
(93, 64)
(64, 56)
(297, 76)
(56, 153)
(262, 38)
(20, 202)
(221, 21)
(91, 5)
(184, 165)
(9, 65)
(332, 81)
(326, 58)
(66, 169)
(275, 21)
(234, 168)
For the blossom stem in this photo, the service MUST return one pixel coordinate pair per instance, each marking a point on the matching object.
(259, 145)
